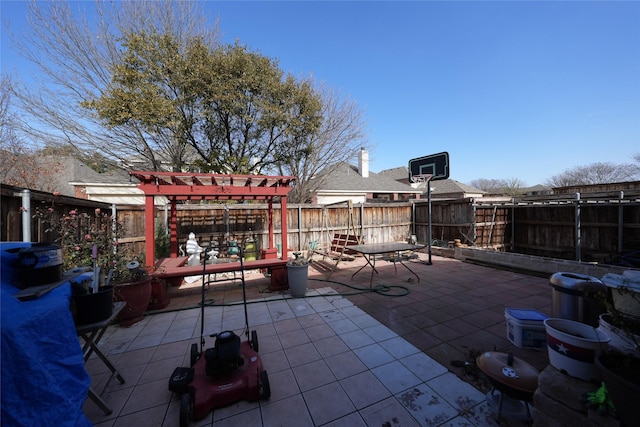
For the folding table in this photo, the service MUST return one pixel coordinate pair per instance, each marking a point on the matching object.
(91, 334)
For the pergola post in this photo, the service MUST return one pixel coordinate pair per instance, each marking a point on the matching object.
(149, 232)
(283, 221)
(173, 228)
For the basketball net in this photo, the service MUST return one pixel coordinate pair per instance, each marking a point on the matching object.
(420, 178)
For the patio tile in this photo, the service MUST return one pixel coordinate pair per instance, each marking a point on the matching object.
(343, 326)
(150, 417)
(426, 405)
(159, 370)
(398, 347)
(293, 338)
(289, 412)
(275, 361)
(327, 403)
(252, 417)
(310, 320)
(396, 377)
(242, 410)
(351, 420)
(364, 389)
(318, 332)
(301, 354)
(287, 325)
(373, 355)
(458, 393)
(146, 341)
(370, 350)
(389, 412)
(423, 366)
(330, 346)
(148, 395)
(356, 339)
(283, 385)
(312, 375)
(379, 332)
(345, 364)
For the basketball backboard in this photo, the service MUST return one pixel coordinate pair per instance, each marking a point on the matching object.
(436, 165)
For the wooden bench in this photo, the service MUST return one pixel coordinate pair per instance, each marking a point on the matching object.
(170, 269)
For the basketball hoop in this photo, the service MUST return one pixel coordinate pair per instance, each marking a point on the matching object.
(416, 179)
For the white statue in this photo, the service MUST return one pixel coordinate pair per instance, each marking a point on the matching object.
(193, 249)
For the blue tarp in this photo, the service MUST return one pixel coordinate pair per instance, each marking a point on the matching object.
(44, 381)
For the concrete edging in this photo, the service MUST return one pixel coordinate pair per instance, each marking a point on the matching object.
(533, 263)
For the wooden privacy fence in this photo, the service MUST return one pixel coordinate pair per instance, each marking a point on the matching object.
(598, 227)
(308, 225)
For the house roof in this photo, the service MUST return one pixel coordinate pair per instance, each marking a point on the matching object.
(442, 186)
(346, 178)
(452, 186)
(59, 173)
(399, 173)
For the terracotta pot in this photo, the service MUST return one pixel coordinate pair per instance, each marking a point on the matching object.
(159, 297)
(137, 295)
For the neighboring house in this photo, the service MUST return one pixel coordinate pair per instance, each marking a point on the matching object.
(358, 184)
(537, 190)
(440, 189)
(71, 177)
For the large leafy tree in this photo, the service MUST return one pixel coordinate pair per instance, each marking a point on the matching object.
(236, 109)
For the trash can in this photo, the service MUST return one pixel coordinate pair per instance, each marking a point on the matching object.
(577, 297)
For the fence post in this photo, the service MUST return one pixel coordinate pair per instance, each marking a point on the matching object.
(578, 236)
(26, 215)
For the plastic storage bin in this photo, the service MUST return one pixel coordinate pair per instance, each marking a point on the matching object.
(525, 328)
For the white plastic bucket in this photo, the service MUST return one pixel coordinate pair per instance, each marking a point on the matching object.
(298, 276)
(574, 346)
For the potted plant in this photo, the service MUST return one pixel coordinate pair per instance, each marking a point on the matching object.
(91, 240)
(620, 365)
(298, 275)
(131, 284)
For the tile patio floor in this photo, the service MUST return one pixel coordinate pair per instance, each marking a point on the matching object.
(339, 357)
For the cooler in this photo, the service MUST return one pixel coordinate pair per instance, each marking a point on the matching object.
(525, 328)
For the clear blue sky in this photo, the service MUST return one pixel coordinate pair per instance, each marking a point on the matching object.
(511, 89)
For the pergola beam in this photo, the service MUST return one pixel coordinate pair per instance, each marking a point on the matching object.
(178, 187)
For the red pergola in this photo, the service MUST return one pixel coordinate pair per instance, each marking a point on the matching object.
(180, 187)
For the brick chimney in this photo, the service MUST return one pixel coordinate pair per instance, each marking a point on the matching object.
(363, 163)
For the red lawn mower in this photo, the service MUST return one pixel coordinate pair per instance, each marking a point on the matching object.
(227, 373)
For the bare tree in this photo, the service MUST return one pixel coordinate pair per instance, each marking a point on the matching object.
(595, 173)
(74, 54)
(339, 139)
(10, 145)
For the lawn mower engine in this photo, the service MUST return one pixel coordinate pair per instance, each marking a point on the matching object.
(224, 357)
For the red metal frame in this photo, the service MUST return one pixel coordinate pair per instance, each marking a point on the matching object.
(179, 187)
